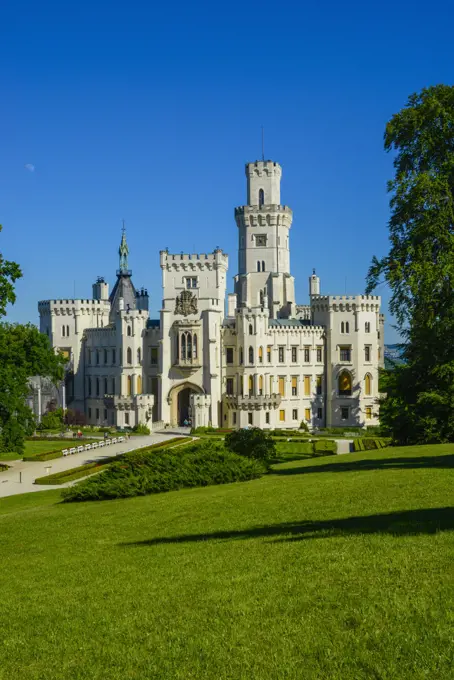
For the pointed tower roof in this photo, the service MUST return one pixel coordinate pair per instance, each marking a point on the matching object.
(124, 287)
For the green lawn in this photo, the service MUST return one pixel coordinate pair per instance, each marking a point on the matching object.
(34, 447)
(336, 568)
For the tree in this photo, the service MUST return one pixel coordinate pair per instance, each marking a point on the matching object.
(252, 443)
(9, 273)
(419, 268)
(24, 352)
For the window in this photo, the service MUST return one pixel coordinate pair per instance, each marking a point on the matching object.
(367, 326)
(251, 355)
(89, 387)
(251, 385)
(113, 385)
(294, 354)
(89, 356)
(307, 385)
(188, 346)
(342, 327)
(294, 386)
(129, 356)
(263, 265)
(345, 353)
(229, 355)
(261, 385)
(249, 418)
(368, 412)
(295, 414)
(105, 414)
(307, 354)
(97, 387)
(258, 265)
(319, 355)
(97, 414)
(368, 384)
(282, 416)
(97, 357)
(268, 354)
(344, 412)
(191, 282)
(63, 330)
(345, 384)
(261, 197)
(281, 354)
(126, 418)
(261, 355)
(154, 356)
(267, 418)
(271, 384)
(106, 389)
(318, 384)
(260, 240)
(251, 330)
(241, 356)
(347, 327)
(307, 415)
(128, 330)
(319, 413)
(282, 386)
(114, 358)
(139, 384)
(229, 386)
(139, 355)
(89, 413)
(129, 385)
(105, 356)
(234, 417)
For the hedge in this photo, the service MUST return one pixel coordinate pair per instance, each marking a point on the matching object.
(139, 473)
(367, 444)
(49, 455)
(325, 446)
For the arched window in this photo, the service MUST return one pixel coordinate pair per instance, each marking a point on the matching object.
(194, 346)
(261, 197)
(367, 326)
(129, 330)
(251, 355)
(188, 345)
(263, 265)
(368, 384)
(67, 331)
(129, 386)
(258, 269)
(251, 330)
(139, 356)
(241, 356)
(261, 385)
(347, 327)
(342, 327)
(183, 346)
(63, 328)
(345, 384)
(106, 389)
(97, 387)
(139, 384)
(251, 385)
(261, 355)
(129, 356)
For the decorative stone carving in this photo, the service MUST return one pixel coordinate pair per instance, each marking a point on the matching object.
(186, 303)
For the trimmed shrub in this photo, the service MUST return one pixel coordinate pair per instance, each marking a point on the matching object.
(3, 467)
(141, 473)
(325, 447)
(252, 443)
(72, 474)
(49, 455)
(141, 429)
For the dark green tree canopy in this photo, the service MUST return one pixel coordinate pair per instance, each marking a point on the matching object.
(252, 443)
(419, 267)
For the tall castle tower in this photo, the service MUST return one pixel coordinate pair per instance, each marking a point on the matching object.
(263, 243)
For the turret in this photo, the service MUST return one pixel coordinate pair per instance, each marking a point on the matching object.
(314, 284)
(142, 299)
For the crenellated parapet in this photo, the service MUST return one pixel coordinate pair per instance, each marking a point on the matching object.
(263, 216)
(194, 261)
(346, 303)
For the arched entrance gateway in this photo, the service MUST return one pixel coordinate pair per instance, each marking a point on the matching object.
(179, 399)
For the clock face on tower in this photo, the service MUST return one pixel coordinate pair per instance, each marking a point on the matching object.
(260, 240)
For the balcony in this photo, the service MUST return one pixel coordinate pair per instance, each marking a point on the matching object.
(252, 402)
(188, 365)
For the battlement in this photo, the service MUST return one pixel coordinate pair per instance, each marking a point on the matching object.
(263, 168)
(345, 298)
(216, 258)
(75, 302)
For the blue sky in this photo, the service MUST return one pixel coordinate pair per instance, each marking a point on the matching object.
(149, 112)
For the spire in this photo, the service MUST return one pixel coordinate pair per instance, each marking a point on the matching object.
(123, 252)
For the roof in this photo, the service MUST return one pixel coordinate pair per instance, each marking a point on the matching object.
(288, 322)
(153, 323)
(124, 288)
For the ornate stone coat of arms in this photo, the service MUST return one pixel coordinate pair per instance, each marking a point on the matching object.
(186, 303)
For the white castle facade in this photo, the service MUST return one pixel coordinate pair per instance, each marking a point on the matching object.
(266, 362)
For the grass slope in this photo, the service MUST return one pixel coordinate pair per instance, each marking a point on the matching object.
(336, 568)
(33, 448)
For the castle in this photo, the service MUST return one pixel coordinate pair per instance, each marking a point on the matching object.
(265, 361)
